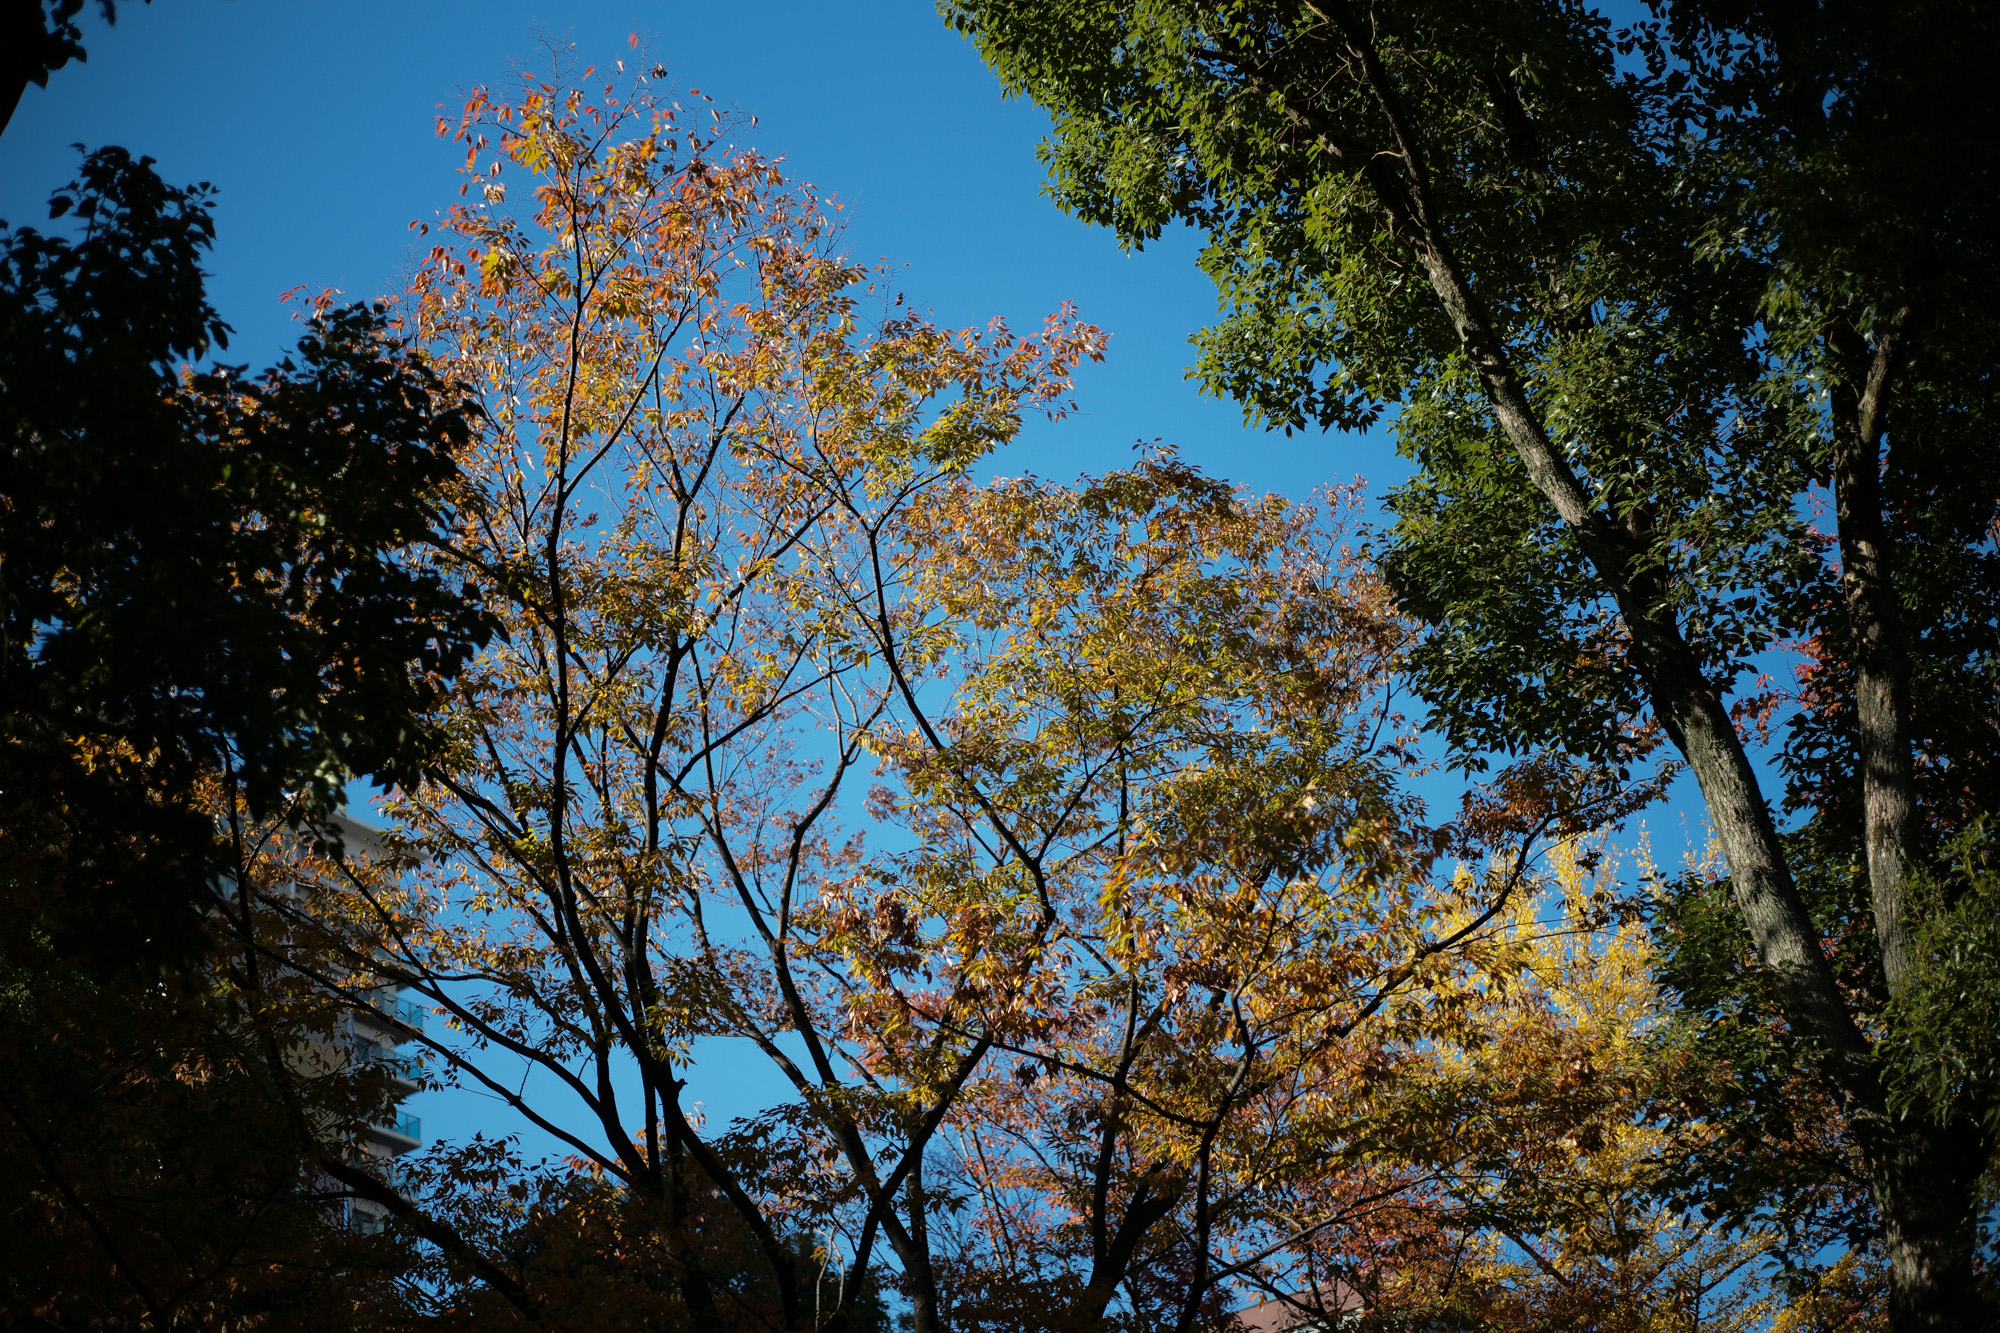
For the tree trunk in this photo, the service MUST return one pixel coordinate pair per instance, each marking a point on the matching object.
(1881, 654)
(1924, 1178)
(912, 1246)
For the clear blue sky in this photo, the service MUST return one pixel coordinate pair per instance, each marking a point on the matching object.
(314, 120)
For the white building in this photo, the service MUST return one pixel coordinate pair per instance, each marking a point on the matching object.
(373, 1035)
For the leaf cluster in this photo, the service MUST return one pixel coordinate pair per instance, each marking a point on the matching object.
(203, 570)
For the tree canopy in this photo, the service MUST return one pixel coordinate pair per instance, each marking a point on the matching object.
(1058, 844)
(205, 572)
(1050, 840)
(1686, 320)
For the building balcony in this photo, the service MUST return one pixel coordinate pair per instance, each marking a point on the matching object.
(400, 1132)
(397, 1018)
(409, 1014)
(404, 1069)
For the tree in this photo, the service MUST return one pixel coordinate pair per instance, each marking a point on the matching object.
(1557, 1168)
(1192, 691)
(205, 575)
(683, 500)
(1135, 856)
(210, 618)
(1478, 1153)
(1640, 297)
(1237, 878)
(41, 36)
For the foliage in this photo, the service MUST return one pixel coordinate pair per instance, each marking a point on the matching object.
(41, 36)
(161, 1146)
(1642, 240)
(599, 1258)
(1777, 1151)
(1555, 1165)
(1082, 1003)
(212, 618)
(1944, 1062)
(203, 571)
(1687, 323)
(1181, 693)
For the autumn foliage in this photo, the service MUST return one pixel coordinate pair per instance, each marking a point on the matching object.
(1054, 842)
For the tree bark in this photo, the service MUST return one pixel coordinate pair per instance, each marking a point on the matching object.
(925, 1315)
(1110, 1267)
(1881, 657)
(1923, 1179)
(1922, 1175)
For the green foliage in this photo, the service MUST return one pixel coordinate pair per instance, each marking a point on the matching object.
(1776, 1148)
(1661, 223)
(204, 572)
(1684, 254)
(1772, 1149)
(1944, 1057)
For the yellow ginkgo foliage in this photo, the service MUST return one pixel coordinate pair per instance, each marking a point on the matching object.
(1537, 1113)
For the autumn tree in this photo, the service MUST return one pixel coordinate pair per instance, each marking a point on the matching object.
(1186, 695)
(1317, 1141)
(1555, 1175)
(1572, 1097)
(1133, 878)
(1640, 295)
(697, 444)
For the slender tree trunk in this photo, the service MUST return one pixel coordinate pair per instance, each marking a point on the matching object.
(23, 41)
(1152, 1197)
(1881, 654)
(1923, 1176)
(921, 1280)
(1686, 704)
(925, 1316)
(697, 1292)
